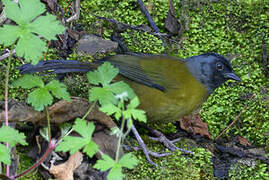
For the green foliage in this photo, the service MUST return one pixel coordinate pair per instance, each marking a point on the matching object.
(12, 137)
(111, 97)
(29, 45)
(240, 171)
(41, 96)
(74, 144)
(129, 112)
(4, 155)
(127, 160)
(106, 94)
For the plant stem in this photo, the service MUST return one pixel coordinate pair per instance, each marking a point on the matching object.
(52, 145)
(6, 97)
(90, 110)
(71, 130)
(119, 141)
(48, 121)
(121, 132)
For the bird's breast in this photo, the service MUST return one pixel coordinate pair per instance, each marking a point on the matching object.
(170, 105)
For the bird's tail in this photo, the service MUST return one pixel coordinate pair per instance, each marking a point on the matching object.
(58, 67)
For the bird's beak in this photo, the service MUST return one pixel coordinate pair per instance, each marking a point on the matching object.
(231, 75)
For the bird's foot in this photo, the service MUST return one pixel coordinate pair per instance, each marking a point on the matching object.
(161, 138)
(167, 143)
(142, 146)
(154, 154)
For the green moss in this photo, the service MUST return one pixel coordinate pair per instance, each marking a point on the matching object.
(225, 27)
(237, 27)
(142, 42)
(25, 163)
(239, 171)
(240, 32)
(14, 93)
(175, 166)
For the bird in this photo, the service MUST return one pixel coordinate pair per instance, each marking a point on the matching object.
(168, 88)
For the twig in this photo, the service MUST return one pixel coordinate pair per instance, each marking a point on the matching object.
(6, 55)
(236, 118)
(148, 16)
(76, 11)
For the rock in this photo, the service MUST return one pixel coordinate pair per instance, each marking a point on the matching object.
(91, 44)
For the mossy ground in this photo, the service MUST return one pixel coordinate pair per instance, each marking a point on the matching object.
(226, 27)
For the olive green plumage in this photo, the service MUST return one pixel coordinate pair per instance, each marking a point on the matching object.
(168, 87)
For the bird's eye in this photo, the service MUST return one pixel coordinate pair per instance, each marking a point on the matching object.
(219, 66)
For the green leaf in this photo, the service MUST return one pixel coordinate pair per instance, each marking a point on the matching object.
(105, 163)
(28, 81)
(139, 115)
(107, 73)
(58, 90)
(103, 75)
(40, 98)
(103, 95)
(44, 25)
(91, 148)
(133, 103)
(121, 88)
(115, 173)
(31, 8)
(8, 34)
(116, 131)
(30, 47)
(84, 128)
(44, 132)
(129, 123)
(110, 109)
(74, 144)
(128, 160)
(93, 77)
(65, 128)
(12, 136)
(30, 26)
(136, 114)
(4, 155)
(12, 10)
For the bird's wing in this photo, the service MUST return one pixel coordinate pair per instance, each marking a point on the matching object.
(160, 72)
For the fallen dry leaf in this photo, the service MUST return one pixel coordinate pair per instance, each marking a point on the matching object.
(243, 141)
(194, 124)
(65, 170)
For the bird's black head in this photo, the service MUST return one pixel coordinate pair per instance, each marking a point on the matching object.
(211, 69)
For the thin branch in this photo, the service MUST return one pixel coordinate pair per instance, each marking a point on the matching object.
(236, 119)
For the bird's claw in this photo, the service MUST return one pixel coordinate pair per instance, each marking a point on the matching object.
(166, 142)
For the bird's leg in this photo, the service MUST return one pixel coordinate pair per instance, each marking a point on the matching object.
(167, 143)
(142, 145)
(144, 148)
